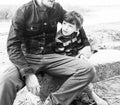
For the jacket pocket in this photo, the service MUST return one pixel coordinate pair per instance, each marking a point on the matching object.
(33, 27)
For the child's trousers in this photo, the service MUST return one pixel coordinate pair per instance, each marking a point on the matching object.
(79, 74)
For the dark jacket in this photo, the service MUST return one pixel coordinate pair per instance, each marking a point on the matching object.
(71, 44)
(32, 31)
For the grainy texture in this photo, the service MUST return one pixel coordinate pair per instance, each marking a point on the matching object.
(108, 89)
(105, 71)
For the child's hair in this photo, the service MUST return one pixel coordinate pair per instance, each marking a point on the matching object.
(74, 18)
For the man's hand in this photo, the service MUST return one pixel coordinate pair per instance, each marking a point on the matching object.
(32, 84)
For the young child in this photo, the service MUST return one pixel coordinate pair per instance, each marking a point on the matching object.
(71, 40)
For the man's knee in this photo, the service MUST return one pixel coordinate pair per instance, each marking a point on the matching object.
(91, 71)
(88, 70)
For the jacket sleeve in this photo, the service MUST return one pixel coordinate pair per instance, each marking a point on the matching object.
(84, 38)
(14, 44)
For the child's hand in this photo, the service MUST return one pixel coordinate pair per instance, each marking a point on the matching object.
(86, 51)
(81, 56)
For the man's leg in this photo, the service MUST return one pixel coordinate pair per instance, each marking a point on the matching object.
(79, 74)
(10, 83)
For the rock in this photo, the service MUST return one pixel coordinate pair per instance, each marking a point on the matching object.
(109, 90)
(107, 64)
(26, 98)
(105, 56)
(49, 84)
(105, 71)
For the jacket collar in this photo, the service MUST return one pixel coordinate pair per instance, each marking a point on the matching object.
(35, 3)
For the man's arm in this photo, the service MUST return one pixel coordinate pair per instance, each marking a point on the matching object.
(86, 49)
(61, 12)
(15, 52)
(14, 44)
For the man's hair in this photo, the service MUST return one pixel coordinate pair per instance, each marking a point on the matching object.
(74, 18)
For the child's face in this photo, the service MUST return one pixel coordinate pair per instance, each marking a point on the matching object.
(68, 28)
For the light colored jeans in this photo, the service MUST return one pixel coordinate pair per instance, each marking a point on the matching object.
(79, 74)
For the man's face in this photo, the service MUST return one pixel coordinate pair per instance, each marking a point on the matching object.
(68, 28)
(48, 3)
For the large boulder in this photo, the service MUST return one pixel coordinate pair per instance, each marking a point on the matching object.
(109, 90)
(107, 63)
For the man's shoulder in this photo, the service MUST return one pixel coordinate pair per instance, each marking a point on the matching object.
(57, 6)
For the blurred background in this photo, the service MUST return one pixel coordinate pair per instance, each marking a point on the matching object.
(93, 11)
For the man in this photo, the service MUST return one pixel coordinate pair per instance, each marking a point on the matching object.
(30, 47)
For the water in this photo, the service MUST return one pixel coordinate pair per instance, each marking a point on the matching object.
(102, 14)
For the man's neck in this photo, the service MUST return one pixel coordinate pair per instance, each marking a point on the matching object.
(41, 5)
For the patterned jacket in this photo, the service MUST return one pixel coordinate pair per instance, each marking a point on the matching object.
(70, 45)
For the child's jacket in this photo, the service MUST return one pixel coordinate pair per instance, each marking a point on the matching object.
(71, 44)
